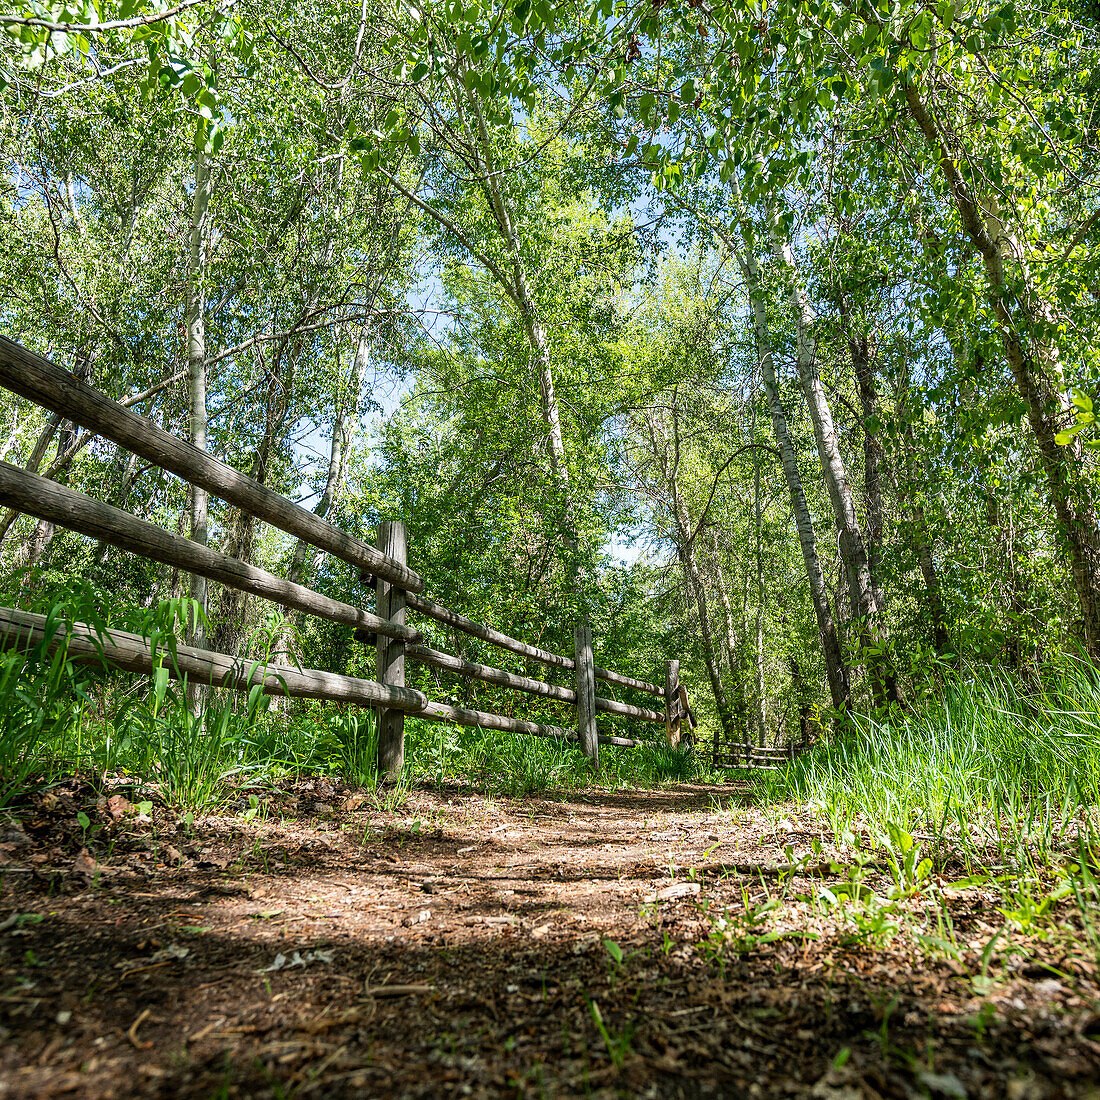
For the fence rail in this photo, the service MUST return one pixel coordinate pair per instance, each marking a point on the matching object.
(732, 755)
(398, 590)
(54, 388)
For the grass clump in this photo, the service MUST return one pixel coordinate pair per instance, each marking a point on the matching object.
(989, 762)
(518, 764)
(59, 717)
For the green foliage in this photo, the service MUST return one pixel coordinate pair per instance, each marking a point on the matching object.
(988, 763)
(439, 209)
(43, 698)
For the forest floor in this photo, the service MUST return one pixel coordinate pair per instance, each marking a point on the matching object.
(666, 942)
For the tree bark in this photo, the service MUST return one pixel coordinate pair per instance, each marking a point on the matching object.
(729, 630)
(346, 412)
(229, 622)
(853, 548)
(920, 535)
(761, 714)
(835, 667)
(520, 292)
(735, 693)
(697, 589)
(43, 533)
(873, 456)
(195, 323)
(1020, 311)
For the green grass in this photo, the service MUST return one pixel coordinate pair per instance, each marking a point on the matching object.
(517, 764)
(989, 763)
(58, 718)
(986, 763)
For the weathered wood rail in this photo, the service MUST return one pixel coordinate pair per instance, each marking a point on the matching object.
(731, 755)
(398, 590)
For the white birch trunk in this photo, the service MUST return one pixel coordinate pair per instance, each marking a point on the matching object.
(195, 324)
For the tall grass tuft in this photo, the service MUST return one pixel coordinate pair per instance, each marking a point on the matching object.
(58, 718)
(42, 701)
(988, 758)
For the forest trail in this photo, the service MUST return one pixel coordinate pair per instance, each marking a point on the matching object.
(312, 944)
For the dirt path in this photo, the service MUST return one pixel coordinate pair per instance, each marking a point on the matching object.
(468, 946)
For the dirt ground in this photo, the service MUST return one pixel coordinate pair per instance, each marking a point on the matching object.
(308, 943)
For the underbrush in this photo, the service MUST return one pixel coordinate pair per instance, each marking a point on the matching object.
(990, 793)
(517, 764)
(58, 718)
(989, 763)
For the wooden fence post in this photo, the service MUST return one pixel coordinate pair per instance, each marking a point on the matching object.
(672, 702)
(390, 659)
(586, 689)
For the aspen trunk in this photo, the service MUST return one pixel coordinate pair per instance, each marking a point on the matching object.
(835, 667)
(42, 535)
(697, 590)
(922, 544)
(229, 622)
(737, 701)
(729, 631)
(1020, 310)
(758, 554)
(346, 414)
(42, 445)
(684, 538)
(1004, 531)
(873, 457)
(195, 323)
(521, 294)
(920, 535)
(853, 548)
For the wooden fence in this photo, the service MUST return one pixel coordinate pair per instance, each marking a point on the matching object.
(728, 755)
(398, 590)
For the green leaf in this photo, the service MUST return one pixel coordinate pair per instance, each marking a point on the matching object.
(1067, 434)
(919, 30)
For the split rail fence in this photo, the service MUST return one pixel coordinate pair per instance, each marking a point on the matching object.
(398, 590)
(731, 755)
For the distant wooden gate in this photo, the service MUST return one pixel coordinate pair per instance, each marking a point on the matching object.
(731, 755)
(398, 589)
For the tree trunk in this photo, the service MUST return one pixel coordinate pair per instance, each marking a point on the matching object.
(729, 631)
(853, 548)
(1004, 531)
(43, 533)
(520, 292)
(195, 322)
(736, 701)
(230, 619)
(346, 413)
(1019, 311)
(873, 457)
(758, 553)
(835, 667)
(697, 590)
(807, 721)
(920, 536)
